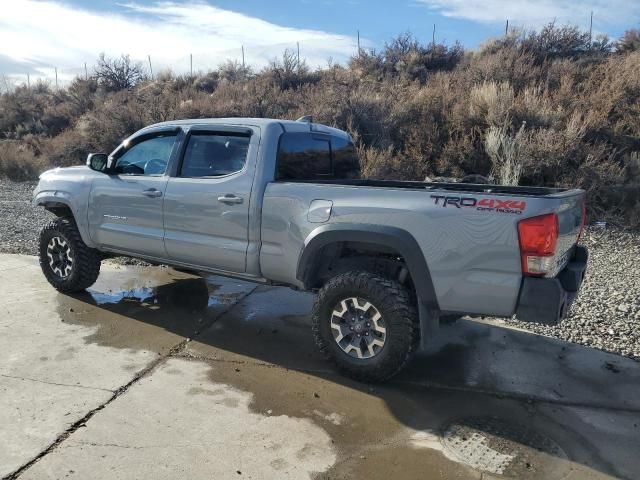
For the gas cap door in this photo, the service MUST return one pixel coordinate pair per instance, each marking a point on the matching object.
(319, 211)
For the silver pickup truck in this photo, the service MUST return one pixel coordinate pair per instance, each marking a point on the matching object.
(282, 202)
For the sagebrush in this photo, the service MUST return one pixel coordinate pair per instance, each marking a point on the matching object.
(552, 108)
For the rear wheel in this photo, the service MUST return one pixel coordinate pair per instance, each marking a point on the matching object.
(366, 325)
(66, 261)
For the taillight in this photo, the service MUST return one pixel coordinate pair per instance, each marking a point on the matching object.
(583, 220)
(538, 239)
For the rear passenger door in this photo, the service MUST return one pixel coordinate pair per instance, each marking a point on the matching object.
(206, 205)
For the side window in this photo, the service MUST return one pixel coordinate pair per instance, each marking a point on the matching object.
(345, 158)
(148, 157)
(214, 154)
(303, 156)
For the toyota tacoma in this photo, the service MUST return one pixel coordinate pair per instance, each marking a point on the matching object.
(282, 202)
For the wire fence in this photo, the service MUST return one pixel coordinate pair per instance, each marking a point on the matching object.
(257, 57)
(199, 62)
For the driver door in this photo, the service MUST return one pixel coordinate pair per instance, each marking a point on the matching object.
(125, 207)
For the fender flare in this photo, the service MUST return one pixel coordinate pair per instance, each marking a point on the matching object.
(398, 239)
(44, 198)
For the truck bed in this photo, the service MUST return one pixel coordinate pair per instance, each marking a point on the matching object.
(454, 187)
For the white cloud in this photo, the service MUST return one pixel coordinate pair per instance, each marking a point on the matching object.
(534, 13)
(39, 35)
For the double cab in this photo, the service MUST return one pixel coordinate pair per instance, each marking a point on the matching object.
(283, 202)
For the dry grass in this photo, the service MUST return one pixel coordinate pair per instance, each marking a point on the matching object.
(18, 162)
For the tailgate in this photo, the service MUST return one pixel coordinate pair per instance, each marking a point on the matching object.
(547, 293)
(570, 211)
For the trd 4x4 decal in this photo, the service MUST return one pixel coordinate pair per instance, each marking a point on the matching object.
(483, 205)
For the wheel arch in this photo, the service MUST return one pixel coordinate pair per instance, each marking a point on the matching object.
(61, 205)
(59, 209)
(387, 237)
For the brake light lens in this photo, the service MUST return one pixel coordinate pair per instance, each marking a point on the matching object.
(538, 241)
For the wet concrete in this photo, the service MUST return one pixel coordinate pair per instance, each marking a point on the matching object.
(167, 307)
(174, 376)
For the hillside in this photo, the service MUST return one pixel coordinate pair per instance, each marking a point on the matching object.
(541, 108)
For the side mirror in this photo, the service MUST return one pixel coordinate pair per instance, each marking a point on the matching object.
(97, 162)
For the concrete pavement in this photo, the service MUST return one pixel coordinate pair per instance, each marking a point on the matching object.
(158, 374)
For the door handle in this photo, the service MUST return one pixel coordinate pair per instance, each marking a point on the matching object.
(152, 192)
(230, 199)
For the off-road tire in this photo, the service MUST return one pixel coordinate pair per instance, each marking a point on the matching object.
(393, 302)
(86, 267)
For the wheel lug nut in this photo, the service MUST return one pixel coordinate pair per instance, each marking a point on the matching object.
(366, 333)
(358, 335)
(368, 324)
(350, 328)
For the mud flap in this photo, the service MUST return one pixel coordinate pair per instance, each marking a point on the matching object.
(542, 300)
(429, 323)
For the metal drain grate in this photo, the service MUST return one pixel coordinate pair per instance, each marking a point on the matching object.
(496, 446)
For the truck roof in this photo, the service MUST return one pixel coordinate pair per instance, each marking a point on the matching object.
(287, 125)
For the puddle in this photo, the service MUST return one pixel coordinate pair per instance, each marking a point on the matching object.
(149, 308)
(190, 294)
(138, 294)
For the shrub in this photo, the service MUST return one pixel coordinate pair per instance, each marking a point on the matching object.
(505, 151)
(414, 109)
(115, 74)
(492, 103)
(630, 41)
(18, 162)
(68, 148)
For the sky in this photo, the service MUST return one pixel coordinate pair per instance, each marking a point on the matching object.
(38, 37)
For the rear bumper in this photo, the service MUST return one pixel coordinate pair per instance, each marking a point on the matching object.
(548, 300)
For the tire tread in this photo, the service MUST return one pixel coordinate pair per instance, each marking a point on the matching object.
(87, 259)
(395, 301)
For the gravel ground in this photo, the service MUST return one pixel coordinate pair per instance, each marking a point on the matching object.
(20, 222)
(605, 315)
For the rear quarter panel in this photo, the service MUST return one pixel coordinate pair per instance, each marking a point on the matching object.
(473, 255)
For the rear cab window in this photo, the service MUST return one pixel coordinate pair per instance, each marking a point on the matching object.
(308, 156)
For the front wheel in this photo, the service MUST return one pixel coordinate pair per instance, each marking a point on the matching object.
(366, 325)
(66, 261)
